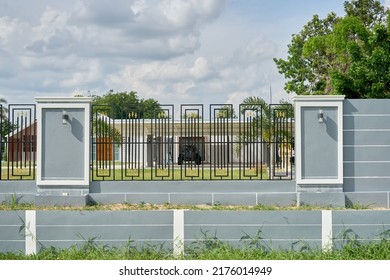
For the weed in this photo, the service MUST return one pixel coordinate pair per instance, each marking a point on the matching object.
(256, 241)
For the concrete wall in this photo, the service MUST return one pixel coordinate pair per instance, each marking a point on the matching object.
(29, 231)
(280, 193)
(320, 144)
(367, 151)
(63, 156)
(12, 235)
(62, 229)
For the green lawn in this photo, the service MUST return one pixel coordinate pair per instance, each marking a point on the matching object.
(181, 173)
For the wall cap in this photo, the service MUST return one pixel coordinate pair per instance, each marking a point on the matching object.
(311, 98)
(63, 99)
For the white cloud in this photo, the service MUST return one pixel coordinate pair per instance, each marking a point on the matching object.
(151, 46)
(89, 71)
(201, 78)
(387, 4)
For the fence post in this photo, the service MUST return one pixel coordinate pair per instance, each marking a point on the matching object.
(319, 150)
(63, 151)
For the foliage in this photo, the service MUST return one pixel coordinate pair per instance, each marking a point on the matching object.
(191, 115)
(102, 128)
(347, 55)
(261, 116)
(6, 126)
(211, 248)
(125, 105)
(225, 112)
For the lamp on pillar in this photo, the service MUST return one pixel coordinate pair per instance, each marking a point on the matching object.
(65, 117)
(320, 116)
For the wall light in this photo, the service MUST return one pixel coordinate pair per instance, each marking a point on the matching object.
(65, 117)
(320, 116)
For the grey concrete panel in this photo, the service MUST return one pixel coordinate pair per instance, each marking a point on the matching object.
(9, 246)
(361, 217)
(270, 232)
(319, 144)
(277, 199)
(22, 191)
(59, 200)
(235, 199)
(366, 122)
(366, 106)
(12, 218)
(166, 245)
(63, 155)
(104, 217)
(360, 231)
(107, 198)
(109, 232)
(11, 232)
(19, 198)
(191, 198)
(366, 184)
(366, 137)
(370, 153)
(205, 218)
(296, 245)
(18, 186)
(162, 187)
(375, 199)
(366, 169)
(322, 199)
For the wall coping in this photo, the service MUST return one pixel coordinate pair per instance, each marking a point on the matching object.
(63, 99)
(311, 98)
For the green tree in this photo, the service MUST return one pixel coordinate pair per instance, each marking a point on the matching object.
(262, 117)
(348, 55)
(226, 112)
(124, 105)
(6, 126)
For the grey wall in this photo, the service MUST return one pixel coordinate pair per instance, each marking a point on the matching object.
(280, 193)
(12, 235)
(367, 145)
(274, 229)
(115, 228)
(319, 143)
(17, 191)
(63, 156)
(362, 225)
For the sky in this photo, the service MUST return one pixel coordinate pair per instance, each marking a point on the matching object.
(175, 51)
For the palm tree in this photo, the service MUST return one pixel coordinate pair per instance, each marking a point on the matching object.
(263, 124)
(256, 111)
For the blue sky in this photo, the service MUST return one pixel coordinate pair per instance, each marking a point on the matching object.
(176, 51)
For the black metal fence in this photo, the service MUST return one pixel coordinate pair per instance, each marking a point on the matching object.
(18, 142)
(255, 144)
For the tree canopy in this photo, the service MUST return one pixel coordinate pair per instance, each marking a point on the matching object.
(347, 55)
(127, 105)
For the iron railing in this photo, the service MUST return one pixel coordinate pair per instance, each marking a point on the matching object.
(257, 144)
(18, 142)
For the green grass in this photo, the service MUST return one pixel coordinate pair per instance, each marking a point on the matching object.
(208, 249)
(14, 202)
(190, 172)
(21, 171)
